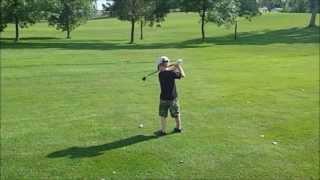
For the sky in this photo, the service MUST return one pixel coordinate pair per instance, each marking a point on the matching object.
(99, 4)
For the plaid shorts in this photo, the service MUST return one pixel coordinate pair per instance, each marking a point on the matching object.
(172, 105)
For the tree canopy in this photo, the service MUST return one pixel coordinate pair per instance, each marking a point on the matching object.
(22, 13)
(66, 15)
(216, 11)
(129, 10)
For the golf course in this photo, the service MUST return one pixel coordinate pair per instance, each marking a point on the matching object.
(71, 108)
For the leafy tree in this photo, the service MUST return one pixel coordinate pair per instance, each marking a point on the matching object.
(270, 4)
(158, 10)
(155, 12)
(216, 11)
(66, 15)
(299, 6)
(22, 13)
(146, 9)
(202, 7)
(314, 8)
(129, 10)
(226, 12)
(247, 9)
(107, 8)
(4, 18)
(173, 4)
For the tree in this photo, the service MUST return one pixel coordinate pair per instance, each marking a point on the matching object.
(202, 7)
(270, 4)
(173, 4)
(3, 20)
(22, 13)
(158, 11)
(128, 10)
(247, 9)
(146, 9)
(314, 5)
(107, 8)
(225, 12)
(154, 12)
(66, 15)
(216, 11)
(298, 6)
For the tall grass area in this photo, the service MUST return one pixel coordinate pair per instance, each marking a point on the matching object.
(70, 109)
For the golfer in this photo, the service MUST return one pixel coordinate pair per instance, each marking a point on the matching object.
(168, 73)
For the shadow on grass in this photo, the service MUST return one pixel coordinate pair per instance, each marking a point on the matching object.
(91, 45)
(266, 37)
(31, 38)
(91, 151)
(70, 64)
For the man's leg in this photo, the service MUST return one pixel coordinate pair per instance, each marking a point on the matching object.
(175, 113)
(163, 124)
(163, 113)
(178, 121)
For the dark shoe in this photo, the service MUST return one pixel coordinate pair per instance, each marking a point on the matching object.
(177, 130)
(160, 133)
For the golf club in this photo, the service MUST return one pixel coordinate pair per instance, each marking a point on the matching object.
(179, 61)
(145, 77)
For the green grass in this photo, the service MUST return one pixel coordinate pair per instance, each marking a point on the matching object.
(70, 109)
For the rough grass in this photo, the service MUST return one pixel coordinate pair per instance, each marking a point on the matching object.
(70, 109)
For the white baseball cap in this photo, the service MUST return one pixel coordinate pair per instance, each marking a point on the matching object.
(163, 59)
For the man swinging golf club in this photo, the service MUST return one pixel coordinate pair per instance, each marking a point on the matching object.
(169, 97)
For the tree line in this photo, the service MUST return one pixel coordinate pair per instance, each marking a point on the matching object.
(67, 15)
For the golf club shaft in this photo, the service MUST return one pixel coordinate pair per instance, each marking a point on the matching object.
(158, 70)
(151, 73)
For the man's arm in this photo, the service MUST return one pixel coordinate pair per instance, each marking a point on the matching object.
(180, 69)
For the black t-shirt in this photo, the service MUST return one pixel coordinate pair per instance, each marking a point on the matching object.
(168, 85)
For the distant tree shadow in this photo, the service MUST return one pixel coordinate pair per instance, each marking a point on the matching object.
(91, 151)
(265, 37)
(31, 38)
(282, 36)
(90, 45)
(74, 64)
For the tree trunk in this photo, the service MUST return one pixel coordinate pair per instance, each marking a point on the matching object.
(132, 31)
(141, 29)
(68, 34)
(312, 22)
(16, 21)
(236, 31)
(17, 28)
(68, 14)
(314, 9)
(68, 29)
(203, 23)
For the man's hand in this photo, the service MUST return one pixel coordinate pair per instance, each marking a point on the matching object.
(180, 69)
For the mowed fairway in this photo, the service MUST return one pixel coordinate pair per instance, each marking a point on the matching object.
(70, 109)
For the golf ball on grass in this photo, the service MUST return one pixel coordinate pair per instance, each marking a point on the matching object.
(141, 126)
(274, 142)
